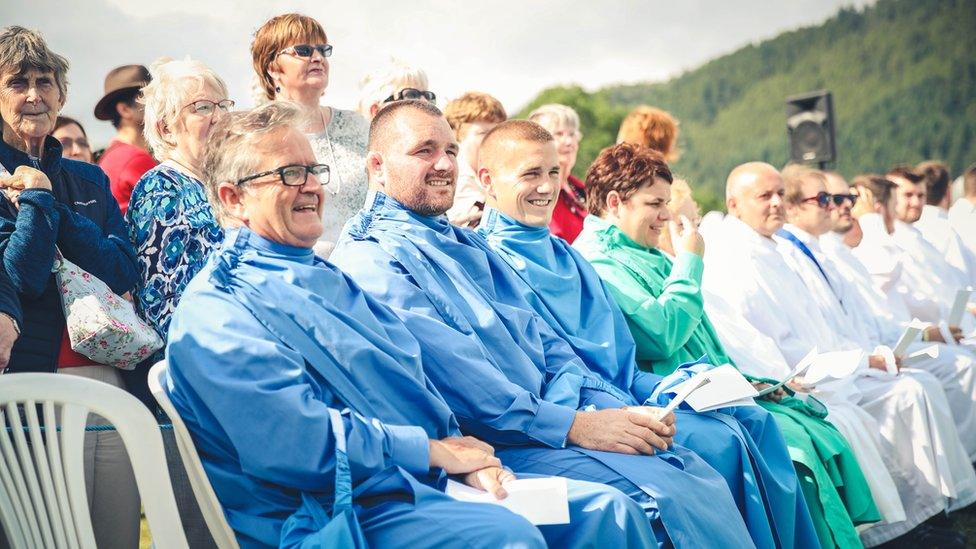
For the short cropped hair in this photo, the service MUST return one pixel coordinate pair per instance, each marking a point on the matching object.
(905, 171)
(228, 154)
(553, 115)
(881, 188)
(625, 168)
(969, 180)
(63, 121)
(474, 107)
(22, 50)
(793, 177)
(652, 127)
(277, 34)
(937, 179)
(376, 86)
(513, 130)
(173, 83)
(379, 127)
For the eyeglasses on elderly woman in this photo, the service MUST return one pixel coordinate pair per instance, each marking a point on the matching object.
(306, 50)
(294, 175)
(205, 107)
(411, 93)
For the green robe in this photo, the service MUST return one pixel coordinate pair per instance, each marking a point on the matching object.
(663, 304)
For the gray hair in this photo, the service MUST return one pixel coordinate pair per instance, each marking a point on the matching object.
(376, 86)
(554, 115)
(173, 83)
(229, 153)
(23, 49)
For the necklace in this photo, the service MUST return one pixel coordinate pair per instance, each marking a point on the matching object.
(184, 168)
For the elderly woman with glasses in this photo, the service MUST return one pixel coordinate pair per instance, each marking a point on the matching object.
(290, 56)
(171, 222)
(564, 125)
(50, 204)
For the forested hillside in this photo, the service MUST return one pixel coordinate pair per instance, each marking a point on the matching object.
(902, 73)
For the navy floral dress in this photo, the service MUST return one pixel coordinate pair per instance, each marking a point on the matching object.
(174, 229)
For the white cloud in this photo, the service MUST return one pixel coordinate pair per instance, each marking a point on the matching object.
(511, 49)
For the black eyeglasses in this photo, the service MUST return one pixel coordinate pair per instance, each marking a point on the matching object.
(205, 107)
(839, 199)
(822, 199)
(305, 50)
(411, 93)
(294, 175)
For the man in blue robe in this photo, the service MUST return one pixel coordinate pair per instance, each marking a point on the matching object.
(509, 379)
(306, 398)
(518, 166)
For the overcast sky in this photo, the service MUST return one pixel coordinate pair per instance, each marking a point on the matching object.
(511, 49)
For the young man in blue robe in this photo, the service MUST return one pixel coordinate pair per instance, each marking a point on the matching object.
(501, 368)
(306, 398)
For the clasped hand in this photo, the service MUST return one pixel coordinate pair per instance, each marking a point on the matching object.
(473, 459)
(629, 430)
(23, 178)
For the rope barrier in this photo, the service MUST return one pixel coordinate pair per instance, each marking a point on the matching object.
(162, 426)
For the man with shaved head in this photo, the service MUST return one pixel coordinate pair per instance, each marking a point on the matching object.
(508, 377)
(781, 297)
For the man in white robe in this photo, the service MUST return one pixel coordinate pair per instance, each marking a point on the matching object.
(747, 270)
(934, 223)
(871, 313)
(962, 214)
(924, 264)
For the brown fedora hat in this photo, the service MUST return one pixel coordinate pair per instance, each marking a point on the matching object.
(118, 82)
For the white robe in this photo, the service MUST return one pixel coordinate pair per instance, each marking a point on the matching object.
(869, 308)
(962, 217)
(755, 279)
(935, 227)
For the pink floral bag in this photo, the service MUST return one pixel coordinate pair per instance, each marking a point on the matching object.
(102, 325)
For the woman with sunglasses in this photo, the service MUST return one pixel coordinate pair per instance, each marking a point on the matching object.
(396, 81)
(290, 56)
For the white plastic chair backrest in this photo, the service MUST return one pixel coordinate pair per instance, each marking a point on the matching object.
(203, 491)
(43, 501)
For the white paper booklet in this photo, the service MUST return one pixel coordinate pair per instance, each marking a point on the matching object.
(833, 365)
(541, 501)
(726, 387)
(959, 306)
(932, 351)
(912, 331)
(800, 367)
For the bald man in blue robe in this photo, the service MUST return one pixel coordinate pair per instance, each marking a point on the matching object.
(508, 378)
(306, 398)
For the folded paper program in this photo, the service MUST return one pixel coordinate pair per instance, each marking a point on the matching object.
(959, 306)
(539, 500)
(833, 366)
(800, 367)
(725, 387)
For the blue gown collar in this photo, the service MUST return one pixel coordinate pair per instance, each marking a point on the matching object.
(242, 238)
(381, 205)
(494, 221)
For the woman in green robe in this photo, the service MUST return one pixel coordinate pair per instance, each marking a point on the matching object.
(662, 301)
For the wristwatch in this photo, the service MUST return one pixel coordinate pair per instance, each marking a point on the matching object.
(12, 321)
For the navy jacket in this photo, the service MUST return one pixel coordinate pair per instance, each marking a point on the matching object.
(79, 216)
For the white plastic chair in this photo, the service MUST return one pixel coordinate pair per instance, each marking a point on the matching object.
(43, 502)
(212, 511)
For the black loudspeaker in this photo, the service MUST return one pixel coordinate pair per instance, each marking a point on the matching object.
(810, 127)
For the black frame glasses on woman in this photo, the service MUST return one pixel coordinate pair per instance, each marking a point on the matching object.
(305, 50)
(206, 107)
(294, 175)
(412, 93)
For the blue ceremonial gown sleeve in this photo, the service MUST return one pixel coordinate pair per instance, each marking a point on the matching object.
(487, 404)
(254, 398)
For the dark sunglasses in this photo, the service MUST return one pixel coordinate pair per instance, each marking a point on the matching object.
(822, 199)
(305, 50)
(411, 93)
(293, 175)
(839, 199)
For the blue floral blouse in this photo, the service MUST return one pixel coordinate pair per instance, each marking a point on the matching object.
(173, 229)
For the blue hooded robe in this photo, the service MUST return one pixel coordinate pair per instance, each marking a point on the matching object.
(267, 342)
(507, 376)
(563, 288)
